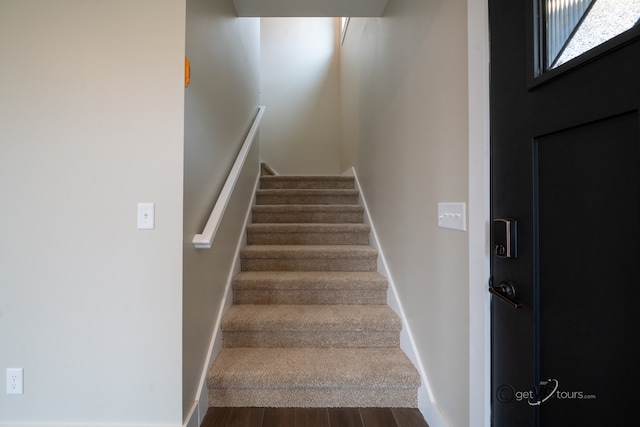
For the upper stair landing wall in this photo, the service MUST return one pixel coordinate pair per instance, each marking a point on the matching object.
(310, 8)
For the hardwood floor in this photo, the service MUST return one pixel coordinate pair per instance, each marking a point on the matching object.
(313, 417)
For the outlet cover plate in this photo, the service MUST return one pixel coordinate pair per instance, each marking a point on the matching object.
(15, 381)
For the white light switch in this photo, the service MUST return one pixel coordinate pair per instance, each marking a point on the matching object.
(452, 216)
(146, 220)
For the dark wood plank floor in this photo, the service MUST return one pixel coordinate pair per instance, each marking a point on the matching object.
(313, 417)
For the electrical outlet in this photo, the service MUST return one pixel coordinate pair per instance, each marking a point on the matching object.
(15, 381)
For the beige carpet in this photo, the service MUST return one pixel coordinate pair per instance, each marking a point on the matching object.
(310, 326)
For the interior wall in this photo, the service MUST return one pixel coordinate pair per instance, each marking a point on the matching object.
(300, 74)
(405, 130)
(220, 105)
(91, 105)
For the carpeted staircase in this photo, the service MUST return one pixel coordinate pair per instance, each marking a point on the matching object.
(309, 325)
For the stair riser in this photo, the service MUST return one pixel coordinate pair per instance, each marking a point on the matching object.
(275, 183)
(308, 264)
(314, 397)
(267, 238)
(318, 339)
(269, 199)
(308, 217)
(309, 296)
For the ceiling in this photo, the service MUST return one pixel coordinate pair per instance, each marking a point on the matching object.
(310, 8)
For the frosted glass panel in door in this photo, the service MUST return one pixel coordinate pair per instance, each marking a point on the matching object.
(573, 27)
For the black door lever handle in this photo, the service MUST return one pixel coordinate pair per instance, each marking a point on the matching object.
(506, 292)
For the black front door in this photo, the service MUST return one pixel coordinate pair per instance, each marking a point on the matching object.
(565, 189)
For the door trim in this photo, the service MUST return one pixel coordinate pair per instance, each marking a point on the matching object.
(479, 214)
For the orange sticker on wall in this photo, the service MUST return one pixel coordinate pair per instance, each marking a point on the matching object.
(187, 72)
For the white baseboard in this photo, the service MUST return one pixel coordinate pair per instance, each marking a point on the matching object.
(200, 406)
(426, 401)
(192, 419)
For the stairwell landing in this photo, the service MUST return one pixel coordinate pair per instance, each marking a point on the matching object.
(310, 325)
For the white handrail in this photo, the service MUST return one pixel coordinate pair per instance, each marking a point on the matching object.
(203, 240)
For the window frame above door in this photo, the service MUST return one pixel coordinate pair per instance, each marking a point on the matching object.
(538, 74)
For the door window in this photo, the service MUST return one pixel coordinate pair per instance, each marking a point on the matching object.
(573, 27)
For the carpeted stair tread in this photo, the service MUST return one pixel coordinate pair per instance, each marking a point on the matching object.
(307, 196)
(308, 234)
(318, 326)
(308, 280)
(307, 213)
(307, 192)
(312, 367)
(315, 397)
(310, 318)
(306, 182)
(313, 377)
(310, 287)
(309, 228)
(308, 251)
(308, 258)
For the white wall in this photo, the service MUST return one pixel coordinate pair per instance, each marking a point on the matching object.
(405, 105)
(220, 105)
(300, 73)
(91, 111)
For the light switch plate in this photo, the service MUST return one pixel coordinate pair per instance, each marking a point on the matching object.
(452, 216)
(146, 216)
